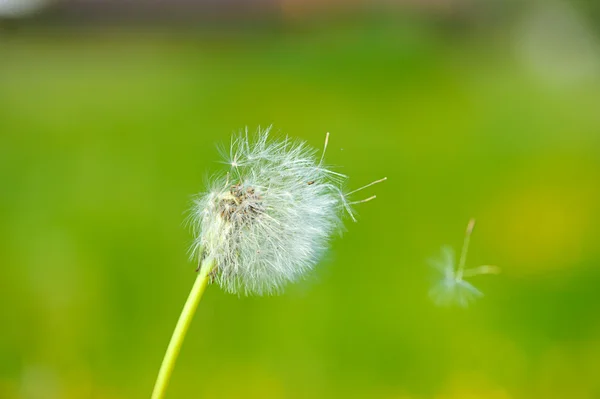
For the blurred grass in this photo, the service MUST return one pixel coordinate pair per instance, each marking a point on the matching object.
(104, 136)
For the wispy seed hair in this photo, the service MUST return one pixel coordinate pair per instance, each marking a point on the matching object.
(268, 219)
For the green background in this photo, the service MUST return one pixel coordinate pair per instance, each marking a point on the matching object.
(107, 132)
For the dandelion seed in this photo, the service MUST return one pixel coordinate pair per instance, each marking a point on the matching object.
(453, 288)
(267, 221)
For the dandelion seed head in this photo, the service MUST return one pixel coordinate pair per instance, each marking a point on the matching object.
(267, 221)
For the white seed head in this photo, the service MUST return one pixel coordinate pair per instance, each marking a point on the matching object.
(268, 220)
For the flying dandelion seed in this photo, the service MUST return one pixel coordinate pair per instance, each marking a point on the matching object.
(453, 289)
(267, 221)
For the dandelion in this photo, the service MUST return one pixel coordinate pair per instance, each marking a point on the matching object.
(263, 223)
(453, 288)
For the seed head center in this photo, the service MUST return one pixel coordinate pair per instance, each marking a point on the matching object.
(240, 204)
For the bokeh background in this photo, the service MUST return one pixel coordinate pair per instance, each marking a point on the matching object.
(110, 113)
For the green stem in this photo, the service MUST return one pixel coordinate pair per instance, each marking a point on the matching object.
(168, 363)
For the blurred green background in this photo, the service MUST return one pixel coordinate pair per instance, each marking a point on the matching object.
(108, 129)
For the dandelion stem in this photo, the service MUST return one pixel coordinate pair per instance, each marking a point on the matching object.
(168, 363)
